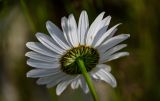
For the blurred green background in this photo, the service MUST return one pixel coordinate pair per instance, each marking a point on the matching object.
(137, 75)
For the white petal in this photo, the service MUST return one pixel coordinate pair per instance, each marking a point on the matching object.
(61, 79)
(102, 30)
(95, 76)
(107, 77)
(99, 34)
(116, 56)
(62, 86)
(38, 47)
(54, 30)
(107, 20)
(104, 66)
(94, 28)
(42, 72)
(98, 67)
(43, 65)
(64, 24)
(99, 26)
(50, 79)
(105, 35)
(111, 51)
(72, 31)
(84, 85)
(49, 43)
(83, 27)
(112, 42)
(57, 35)
(75, 83)
(40, 57)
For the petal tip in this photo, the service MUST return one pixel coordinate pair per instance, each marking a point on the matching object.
(26, 54)
(128, 35)
(127, 54)
(29, 74)
(63, 18)
(28, 62)
(103, 12)
(58, 92)
(70, 15)
(28, 44)
(48, 21)
(119, 24)
(84, 12)
(114, 86)
(38, 34)
(109, 17)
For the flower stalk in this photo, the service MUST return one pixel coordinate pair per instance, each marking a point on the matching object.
(87, 78)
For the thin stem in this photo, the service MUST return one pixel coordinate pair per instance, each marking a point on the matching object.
(87, 78)
(26, 12)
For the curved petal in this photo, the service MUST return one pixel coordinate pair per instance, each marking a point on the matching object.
(62, 86)
(95, 76)
(111, 51)
(49, 43)
(75, 83)
(72, 31)
(64, 24)
(43, 65)
(40, 57)
(104, 66)
(83, 27)
(42, 72)
(98, 67)
(101, 25)
(112, 42)
(107, 20)
(115, 56)
(106, 76)
(57, 35)
(54, 30)
(50, 79)
(39, 48)
(61, 79)
(105, 35)
(94, 28)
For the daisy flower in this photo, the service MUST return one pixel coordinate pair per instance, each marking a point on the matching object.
(54, 57)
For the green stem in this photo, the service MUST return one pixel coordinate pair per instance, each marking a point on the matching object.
(87, 78)
(26, 12)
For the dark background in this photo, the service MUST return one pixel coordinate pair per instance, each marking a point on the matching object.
(137, 75)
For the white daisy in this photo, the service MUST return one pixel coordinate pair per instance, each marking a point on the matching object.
(54, 57)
